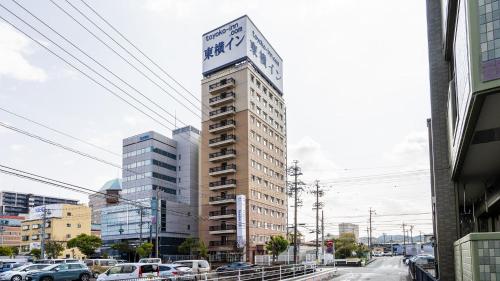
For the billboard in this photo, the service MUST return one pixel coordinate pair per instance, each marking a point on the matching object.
(241, 221)
(53, 211)
(237, 41)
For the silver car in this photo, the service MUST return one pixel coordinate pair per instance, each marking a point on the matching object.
(19, 273)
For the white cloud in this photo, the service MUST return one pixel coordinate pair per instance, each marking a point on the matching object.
(412, 150)
(16, 147)
(13, 50)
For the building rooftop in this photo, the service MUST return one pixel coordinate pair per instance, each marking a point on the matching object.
(114, 184)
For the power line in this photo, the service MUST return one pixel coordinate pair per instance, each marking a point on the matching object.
(61, 132)
(124, 59)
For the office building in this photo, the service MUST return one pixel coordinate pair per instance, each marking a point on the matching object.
(63, 222)
(464, 135)
(107, 195)
(159, 192)
(243, 143)
(15, 203)
(10, 230)
(346, 227)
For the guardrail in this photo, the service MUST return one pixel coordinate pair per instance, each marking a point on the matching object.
(271, 273)
(419, 273)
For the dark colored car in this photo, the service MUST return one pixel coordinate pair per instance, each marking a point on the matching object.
(61, 272)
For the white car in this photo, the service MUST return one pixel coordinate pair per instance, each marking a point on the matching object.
(130, 271)
(175, 271)
(18, 273)
(198, 266)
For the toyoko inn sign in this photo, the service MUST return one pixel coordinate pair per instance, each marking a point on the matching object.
(239, 40)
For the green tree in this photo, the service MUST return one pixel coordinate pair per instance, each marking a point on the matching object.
(144, 250)
(188, 246)
(362, 250)
(123, 248)
(15, 250)
(192, 246)
(276, 245)
(345, 245)
(37, 253)
(54, 249)
(87, 244)
(5, 251)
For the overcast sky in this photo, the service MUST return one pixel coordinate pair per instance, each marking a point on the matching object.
(355, 85)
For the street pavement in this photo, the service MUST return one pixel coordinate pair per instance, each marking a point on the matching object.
(382, 269)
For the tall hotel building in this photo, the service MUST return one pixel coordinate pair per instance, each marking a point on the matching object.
(243, 143)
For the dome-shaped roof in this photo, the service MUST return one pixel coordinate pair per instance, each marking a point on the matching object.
(114, 184)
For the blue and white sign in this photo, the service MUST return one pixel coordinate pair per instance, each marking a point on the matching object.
(241, 221)
(239, 40)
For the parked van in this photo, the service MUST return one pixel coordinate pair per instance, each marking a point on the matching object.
(198, 266)
(150, 260)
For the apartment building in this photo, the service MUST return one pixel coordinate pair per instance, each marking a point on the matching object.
(63, 222)
(14, 203)
(243, 143)
(10, 230)
(159, 191)
(346, 227)
(464, 134)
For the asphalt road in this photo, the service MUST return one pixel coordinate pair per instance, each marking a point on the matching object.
(382, 269)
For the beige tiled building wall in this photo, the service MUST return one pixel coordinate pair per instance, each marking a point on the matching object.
(68, 222)
(243, 151)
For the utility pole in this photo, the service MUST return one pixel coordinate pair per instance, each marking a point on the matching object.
(370, 234)
(158, 204)
(411, 233)
(322, 237)
(317, 206)
(295, 172)
(404, 239)
(42, 244)
(140, 225)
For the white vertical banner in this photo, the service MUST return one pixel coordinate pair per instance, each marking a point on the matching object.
(241, 221)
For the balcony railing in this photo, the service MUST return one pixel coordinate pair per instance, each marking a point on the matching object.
(222, 198)
(230, 243)
(222, 213)
(222, 227)
(222, 169)
(220, 183)
(221, 155)
(222, 112)
(222, 84)
(222, 126)
(222, 98)
(229, 139)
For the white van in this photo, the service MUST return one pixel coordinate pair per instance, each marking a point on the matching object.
(198, 266)
(150, 260)
(130, 271)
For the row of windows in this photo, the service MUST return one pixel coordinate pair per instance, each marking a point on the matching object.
(149, 162)
(267, 184)
(267, 212)
(266, 129)
(266, 92)
(266, 105)
(35, 237)
(266, 170)
(271, 121)
(149, 175)
(149, 149)
(147, 188)
(267, 225)
(260, 195)
(268, 157)
(266, 143)
(260, 238)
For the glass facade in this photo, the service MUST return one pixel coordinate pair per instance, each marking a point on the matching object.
(489, 30)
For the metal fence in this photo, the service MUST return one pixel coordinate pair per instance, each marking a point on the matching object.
(420, 273)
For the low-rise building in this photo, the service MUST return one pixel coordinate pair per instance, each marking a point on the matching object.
(10, 230)
(349, 228)
(62, 222)
(17, 203)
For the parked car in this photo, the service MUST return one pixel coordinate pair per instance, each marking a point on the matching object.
(422, 260)
(19, 273)
(388, 254)
(130, 271)
(150, 260)
(197, 266)
(175, 271)
(57, 261)
(98, 266)
(61, 272)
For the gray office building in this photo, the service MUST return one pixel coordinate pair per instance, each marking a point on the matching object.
(15, 203)
(160, 174)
